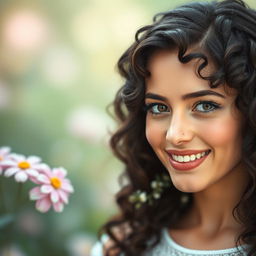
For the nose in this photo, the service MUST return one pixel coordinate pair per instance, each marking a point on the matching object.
(179, 131)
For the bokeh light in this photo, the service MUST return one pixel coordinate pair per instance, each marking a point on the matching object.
(25, 30)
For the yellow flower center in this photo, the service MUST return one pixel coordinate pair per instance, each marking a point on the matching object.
(24, 165)
(1, 158)
(56, 183)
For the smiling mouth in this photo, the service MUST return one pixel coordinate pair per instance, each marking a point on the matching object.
(187, 162)
(189, 158)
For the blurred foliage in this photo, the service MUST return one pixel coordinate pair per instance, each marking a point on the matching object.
(57, 75)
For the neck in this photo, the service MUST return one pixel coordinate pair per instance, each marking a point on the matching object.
(213, 207)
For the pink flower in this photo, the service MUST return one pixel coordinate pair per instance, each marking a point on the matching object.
(53, 191)
(21, 167)
(4, 153)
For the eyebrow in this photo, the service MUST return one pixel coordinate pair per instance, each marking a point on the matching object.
(186, 96)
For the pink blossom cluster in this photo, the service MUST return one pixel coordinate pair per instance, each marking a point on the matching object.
(53, 188)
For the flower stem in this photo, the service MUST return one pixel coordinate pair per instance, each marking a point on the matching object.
(3, 203)
(19, 196)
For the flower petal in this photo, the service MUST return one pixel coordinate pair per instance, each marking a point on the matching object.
(17, 157)
(21, 176)
(35, 193)
(10, 171)
(54, 196)
(66, 186)
(8, 163)
(5, 150)
(32, 172)
(34, 180)
(63, 196)
(41, 167)
(46, 189)
(59, 172)
(34, 159)
(44, 204)
(43, 179)
(58, 207)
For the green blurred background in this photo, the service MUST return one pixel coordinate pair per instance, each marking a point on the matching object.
(57, 67)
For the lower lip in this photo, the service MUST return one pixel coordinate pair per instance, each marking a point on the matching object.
(185, 166)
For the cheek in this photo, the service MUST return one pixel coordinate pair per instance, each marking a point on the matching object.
(150, 134)
(155, 132)
(223, 133)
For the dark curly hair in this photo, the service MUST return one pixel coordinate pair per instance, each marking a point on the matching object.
(223, 33)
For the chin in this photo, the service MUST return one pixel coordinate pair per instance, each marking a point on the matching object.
(188, 188)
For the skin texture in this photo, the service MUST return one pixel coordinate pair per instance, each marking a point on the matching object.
(175, 123)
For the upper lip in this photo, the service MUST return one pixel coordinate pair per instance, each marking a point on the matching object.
(185, 152)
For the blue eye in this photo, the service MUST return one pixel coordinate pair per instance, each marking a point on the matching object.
(206, 106)
(156, 108)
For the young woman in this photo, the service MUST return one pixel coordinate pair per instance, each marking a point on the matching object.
(187, 135)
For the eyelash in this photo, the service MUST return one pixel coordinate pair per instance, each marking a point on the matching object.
(149, 108)
(214, 106)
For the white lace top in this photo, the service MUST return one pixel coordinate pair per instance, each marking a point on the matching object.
(168, 247)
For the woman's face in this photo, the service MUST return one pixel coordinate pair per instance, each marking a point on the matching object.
(194, 130)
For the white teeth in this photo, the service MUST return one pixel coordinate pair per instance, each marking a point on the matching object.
(188, 158)
(180, 159)
(192, 157)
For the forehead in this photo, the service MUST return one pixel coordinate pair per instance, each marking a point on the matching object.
(168, 73)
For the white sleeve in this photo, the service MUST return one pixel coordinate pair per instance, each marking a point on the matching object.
(97, 249)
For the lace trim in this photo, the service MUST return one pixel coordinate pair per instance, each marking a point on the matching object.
(168, 247)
